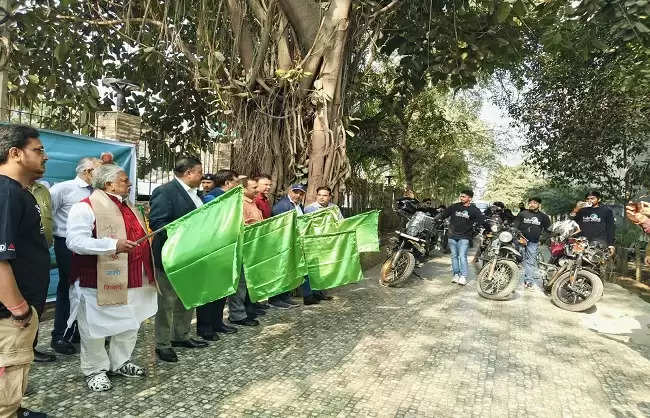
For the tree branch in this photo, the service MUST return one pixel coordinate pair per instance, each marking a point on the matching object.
(265, 37)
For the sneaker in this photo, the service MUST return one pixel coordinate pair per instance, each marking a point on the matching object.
(129, 369)
(23, 412)
(455, 278)
(462, 280)
(290, 302)
(280, 304)
(99, 382)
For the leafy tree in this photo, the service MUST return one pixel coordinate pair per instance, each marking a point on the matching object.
(584, 86)
(512, 185)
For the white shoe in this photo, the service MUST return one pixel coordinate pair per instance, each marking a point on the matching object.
(462, 280)
(99, 382)
(455, 278)
(129, 369)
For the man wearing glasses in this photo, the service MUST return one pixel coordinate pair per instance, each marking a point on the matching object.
(64, 195)
(24, 262)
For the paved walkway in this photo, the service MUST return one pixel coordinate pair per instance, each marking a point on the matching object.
(431, 349)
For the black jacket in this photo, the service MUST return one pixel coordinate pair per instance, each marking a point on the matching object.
(168, 203)
(532, 224)
(596, 224)
(462, 219)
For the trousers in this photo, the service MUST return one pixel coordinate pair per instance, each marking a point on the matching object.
(173, 321)
(94, 358)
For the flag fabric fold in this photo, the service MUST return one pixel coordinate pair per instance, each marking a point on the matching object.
(273, 258)
(366, 226)
(332, 259)
(324, 221)
(202, 254)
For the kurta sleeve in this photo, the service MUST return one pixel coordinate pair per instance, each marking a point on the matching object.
(81, 222)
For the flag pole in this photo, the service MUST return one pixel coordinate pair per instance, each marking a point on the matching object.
(149, 235)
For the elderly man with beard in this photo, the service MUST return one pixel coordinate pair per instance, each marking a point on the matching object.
(114, 285)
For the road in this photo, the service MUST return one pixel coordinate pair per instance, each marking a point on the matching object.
(428, 349)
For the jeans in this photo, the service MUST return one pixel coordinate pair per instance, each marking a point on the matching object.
(530, 261)
(62, 307)
(459, 249)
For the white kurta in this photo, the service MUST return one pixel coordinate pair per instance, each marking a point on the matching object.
(104, 321)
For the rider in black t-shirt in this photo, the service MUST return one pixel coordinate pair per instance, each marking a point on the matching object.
(596, 221)
(24, 260)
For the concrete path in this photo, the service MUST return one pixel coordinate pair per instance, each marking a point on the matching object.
(431, 349)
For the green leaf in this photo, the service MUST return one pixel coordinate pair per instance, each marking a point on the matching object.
(61, 53)
(519, 9)
(92, 102)
(33, 78)
(641, 27)
(93, 91)
(502, 12)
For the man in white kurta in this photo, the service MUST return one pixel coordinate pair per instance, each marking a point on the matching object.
(114, 288)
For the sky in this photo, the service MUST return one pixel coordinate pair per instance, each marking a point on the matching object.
(497, 118)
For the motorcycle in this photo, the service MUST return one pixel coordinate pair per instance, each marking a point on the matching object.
(494, 225)
(499, 275)
(415, 241)
(573, 273)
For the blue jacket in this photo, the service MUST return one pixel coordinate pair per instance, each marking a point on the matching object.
(214, 193)
(281, 206)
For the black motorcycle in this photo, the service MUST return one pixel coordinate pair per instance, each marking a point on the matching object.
(412, 244)
(500, 273)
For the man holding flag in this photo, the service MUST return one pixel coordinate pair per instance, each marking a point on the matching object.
(168, 203)
(114, 285)
(323, 201)
(241, 309)
(209, 317)
(292, 201)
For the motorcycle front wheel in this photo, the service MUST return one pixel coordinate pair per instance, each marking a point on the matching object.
(503, 282)
(392, 275)
(582, 294)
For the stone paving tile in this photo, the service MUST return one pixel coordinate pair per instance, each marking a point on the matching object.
(428, 349)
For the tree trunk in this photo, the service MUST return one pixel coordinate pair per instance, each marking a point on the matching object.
(328, 136)
(409, 174)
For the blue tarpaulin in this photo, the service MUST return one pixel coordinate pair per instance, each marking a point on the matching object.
(64, 150)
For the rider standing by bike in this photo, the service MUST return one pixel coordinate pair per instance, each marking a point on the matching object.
(531, 222)
(596, 222)
(463, 215)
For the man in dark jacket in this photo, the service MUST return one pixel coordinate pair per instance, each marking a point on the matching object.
(292, 201)
(531, 222)
(596, 221)
(463, 215)
(209, 317)
(168, 203)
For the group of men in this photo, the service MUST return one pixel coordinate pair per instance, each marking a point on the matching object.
(110, 277)
(595, 220)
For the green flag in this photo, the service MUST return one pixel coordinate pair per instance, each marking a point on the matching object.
(201, 256)
(366, 226)
(323, 221)
(332, 259)
(273, 259)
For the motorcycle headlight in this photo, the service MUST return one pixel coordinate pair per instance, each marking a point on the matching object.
(505, 236)
(494, 228)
